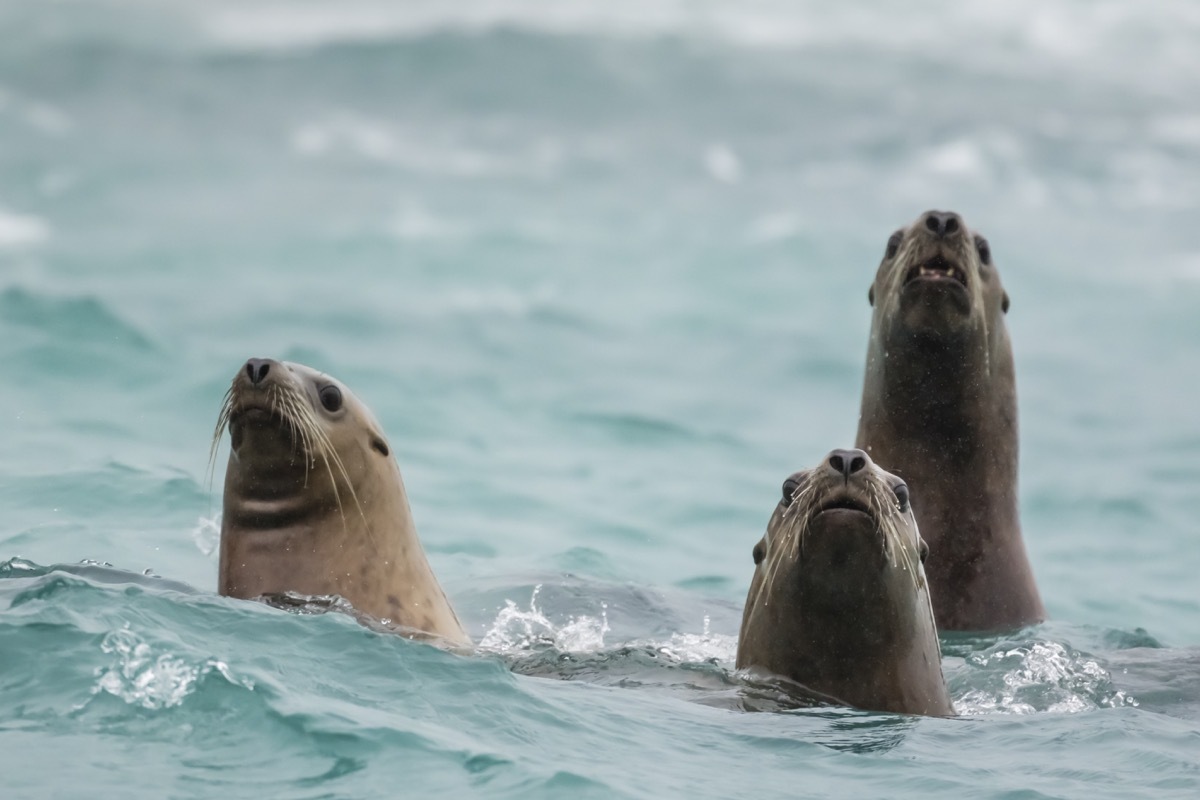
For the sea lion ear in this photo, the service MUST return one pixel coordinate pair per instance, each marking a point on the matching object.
(1004, 303)
(871, 295)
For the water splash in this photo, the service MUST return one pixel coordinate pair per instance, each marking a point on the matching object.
(207, 534)
(518, 630)
(705, 647)
(1039, 677)
(154, 681)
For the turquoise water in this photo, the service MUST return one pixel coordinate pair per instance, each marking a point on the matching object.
(601, 271)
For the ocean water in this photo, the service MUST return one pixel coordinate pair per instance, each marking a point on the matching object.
(600, 269)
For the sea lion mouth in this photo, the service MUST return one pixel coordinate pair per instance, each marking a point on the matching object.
(258, 411)
(936, 270)
(843, 504)
(255, 414)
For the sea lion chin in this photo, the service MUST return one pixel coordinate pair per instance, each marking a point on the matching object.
(315, 505)
(939, 408)
(839, 602)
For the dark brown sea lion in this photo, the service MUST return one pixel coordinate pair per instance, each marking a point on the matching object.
(939, 409)
(838, 602)
(314, 502)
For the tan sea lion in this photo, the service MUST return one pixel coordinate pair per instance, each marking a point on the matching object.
(939, 409)
(839, 602)
(314, 502)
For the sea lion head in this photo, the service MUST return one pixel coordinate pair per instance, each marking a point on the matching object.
(841, 553)
(839, 603)
(937, 280)
(302, 446)
(315, 506)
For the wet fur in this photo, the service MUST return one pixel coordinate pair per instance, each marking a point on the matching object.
(939, 409)
(864, 635)
(315, 505)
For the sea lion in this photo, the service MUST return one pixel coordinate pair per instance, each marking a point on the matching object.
(839, 602)
(314, 502)
(939, 408)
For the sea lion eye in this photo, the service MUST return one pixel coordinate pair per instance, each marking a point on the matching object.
(380, 445)
(901, 490)
(924, 551)
(789, 490)
(331, 397)
(893, 244)
(985, 252)
(760, 552)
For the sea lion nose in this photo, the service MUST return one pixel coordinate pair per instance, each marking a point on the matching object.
(943, 224)
(847, 462)
(257, 369)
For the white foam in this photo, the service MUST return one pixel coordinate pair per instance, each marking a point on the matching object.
(500, 300)
(693, 648)
(414, 222)
(352, 134)
(1181, 130)
(1045, 676)
(961, 158)
(22, 230)
(722, 163)
(357, 136)
(774, 227)
(142, 677)
(517, 630)
(1156, 35)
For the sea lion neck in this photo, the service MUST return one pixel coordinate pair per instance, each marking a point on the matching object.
(935, 392)
(264, 493)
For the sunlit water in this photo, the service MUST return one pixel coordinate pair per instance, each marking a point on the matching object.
(601, 271)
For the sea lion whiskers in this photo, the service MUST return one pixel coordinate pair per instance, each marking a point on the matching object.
(315, 443)
(219, 431)
(290, 409)
(307, 435)
(788, 538)
(885, 511)
(889, 523)
(279, 528)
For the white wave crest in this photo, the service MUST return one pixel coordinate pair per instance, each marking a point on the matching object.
(141, 677)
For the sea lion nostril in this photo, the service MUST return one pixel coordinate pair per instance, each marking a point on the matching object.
(257, 369)
(943, 223)
(847, 462)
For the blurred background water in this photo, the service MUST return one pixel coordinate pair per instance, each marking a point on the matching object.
(600, 268)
